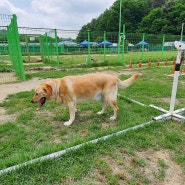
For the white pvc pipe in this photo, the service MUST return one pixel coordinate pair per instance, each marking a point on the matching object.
(180, 47)
(62, 152)
(133, 101)
(174, 91)
(158, 108)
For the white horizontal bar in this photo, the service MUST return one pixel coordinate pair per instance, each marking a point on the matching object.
(179, 117)
(179, 111)
(162, 117)
(158, 108)
(131, 100)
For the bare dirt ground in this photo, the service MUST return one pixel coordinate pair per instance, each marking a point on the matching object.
(173, 173)
(14, 88)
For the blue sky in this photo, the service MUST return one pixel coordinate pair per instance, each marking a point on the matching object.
(60, 14)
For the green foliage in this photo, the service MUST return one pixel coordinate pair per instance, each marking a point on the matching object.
(144, 16)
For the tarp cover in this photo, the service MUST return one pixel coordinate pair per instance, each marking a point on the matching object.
(107, 43)
(142, 43)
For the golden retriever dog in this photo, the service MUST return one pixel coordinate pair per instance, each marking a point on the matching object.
(74, 89)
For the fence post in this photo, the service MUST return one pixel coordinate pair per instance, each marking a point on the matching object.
(143, 39)
(47, 48)
(27, 47)
(89, 49)
(120, 8)
(163, 47)
(104, 46)
(123, 45)
(56, 47)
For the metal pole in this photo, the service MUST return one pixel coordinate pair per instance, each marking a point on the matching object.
(143, 46)
(180, 48)
(182, 31)
(104, 46)
(120, 7)
(163, 47)
(123, 44)
(89, 49)
(56, 46)
(47, 47)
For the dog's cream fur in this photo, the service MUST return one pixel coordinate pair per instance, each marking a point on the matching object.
(74, 89)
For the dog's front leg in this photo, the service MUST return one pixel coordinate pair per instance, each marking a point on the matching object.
(72, 109)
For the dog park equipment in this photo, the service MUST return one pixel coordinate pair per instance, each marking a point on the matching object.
(173, 114)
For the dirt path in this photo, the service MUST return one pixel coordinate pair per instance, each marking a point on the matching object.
(13, 88)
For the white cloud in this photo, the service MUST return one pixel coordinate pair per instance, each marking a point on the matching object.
(46, 7)
(9, 8)
(61, 14)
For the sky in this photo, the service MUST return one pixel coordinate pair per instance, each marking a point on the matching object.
(59, 14)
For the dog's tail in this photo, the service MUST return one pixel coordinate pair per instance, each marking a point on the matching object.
(124, 84)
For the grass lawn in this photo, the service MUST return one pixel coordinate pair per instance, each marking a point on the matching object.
(143, 156)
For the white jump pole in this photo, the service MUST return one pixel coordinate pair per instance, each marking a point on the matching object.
(180, 47)
(173, 114)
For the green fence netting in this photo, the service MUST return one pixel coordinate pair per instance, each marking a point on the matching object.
(49, 48)
(54, 46)
(10, 49)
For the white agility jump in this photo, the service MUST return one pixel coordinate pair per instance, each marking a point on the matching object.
(173, 114)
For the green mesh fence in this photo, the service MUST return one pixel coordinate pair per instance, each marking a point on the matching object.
(61, 48)
(55, 46)
(49, 48)
(10, 49)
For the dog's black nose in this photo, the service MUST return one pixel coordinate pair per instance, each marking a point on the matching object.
(31, 101)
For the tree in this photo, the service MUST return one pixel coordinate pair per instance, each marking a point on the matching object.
(176, 16)
(153, 19)
(144, 16)
(132, 14)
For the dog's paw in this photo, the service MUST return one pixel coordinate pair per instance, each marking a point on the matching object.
(112, 118)
(67, 123)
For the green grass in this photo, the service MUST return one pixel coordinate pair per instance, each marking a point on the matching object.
(113, 59)
(36, 133)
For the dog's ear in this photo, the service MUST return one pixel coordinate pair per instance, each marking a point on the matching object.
(48, 89)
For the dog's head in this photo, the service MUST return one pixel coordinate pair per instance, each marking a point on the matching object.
(42, 92)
